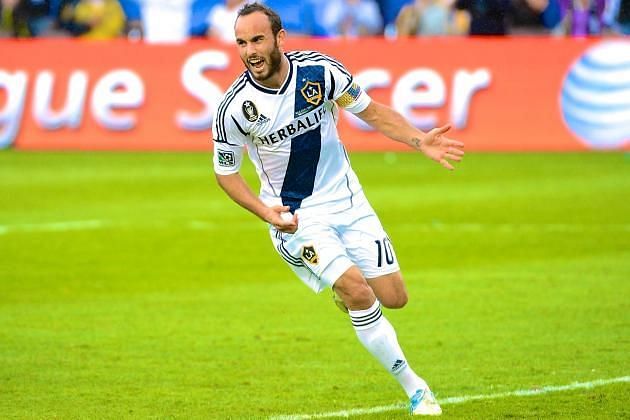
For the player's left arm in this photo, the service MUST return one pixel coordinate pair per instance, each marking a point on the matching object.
(348, 95)
(434, 143)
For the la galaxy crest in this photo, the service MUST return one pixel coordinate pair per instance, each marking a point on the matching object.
(250, 111)
(310, 89)
(312, 92)
(309, 254)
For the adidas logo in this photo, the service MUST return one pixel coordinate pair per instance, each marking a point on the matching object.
(262, 120)
(398, 365)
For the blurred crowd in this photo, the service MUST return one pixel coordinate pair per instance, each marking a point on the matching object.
(178, 20)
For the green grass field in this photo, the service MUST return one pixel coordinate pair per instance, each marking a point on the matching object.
(132, 287)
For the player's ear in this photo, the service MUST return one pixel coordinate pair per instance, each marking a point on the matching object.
(280, 37)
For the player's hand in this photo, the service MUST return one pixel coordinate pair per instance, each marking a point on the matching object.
(440, 148)
(282, 220)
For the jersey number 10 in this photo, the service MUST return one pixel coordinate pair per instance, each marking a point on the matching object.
(385, 247)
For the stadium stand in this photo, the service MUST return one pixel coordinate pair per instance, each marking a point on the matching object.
(178, 20)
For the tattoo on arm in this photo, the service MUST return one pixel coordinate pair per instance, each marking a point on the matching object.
(416, 141)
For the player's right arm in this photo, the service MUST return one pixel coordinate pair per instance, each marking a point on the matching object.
(237, 189)
(229, 143)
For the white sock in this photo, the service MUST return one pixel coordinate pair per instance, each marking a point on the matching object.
(378, 336)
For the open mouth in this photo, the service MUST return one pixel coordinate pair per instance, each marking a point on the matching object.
(256, 63)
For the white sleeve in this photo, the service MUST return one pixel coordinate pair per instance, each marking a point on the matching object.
(354, 99)
(229, 143)
(344, 90)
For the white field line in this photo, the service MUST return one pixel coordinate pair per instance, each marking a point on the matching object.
(513, 227)
(80, 225)
(77, 225)
(459, 400)
(53, 226)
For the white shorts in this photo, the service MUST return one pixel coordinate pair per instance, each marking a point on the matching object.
(326, 246)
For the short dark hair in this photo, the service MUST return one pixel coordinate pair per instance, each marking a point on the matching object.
(274, 18)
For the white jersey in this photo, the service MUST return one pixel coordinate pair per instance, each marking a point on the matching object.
(291, 134)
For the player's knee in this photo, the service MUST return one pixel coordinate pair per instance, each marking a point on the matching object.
(401, 300)
(390, 290)
(395, 301)
(361, 297)
(358, 296)
(354, 291)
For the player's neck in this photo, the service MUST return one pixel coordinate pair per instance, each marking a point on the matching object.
(278, 79)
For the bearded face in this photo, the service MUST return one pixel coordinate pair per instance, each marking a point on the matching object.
(259, 49)
(264, 64)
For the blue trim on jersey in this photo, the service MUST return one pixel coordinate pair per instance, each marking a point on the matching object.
(287, 82)
(271, 91)
(308, 81)
(224, 105)
(299, 180)
(239, 126)
(347, 86)
(261, 88)
(300, 57)
(227, 98)
(316, 56)
(332, 86)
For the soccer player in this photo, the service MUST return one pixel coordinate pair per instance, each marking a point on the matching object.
(283, 109)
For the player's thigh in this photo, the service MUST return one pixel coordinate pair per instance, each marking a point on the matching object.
(315, 253)
(369, 247)
(372, 251)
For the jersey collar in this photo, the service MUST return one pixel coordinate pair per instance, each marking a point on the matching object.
(270, 91)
